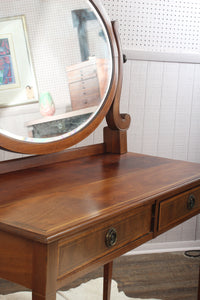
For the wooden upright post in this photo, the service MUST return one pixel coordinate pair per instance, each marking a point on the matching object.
(115, 140)
(107, 281)
(44, 272)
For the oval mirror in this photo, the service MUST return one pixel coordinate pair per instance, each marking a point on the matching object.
(56, 67)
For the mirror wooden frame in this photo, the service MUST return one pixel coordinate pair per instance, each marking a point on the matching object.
(109, 109)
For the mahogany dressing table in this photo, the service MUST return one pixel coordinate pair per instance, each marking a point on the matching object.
(65, 212)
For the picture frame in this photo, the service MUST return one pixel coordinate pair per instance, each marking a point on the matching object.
(18, 85)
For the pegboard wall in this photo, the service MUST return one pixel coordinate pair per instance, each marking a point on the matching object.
(157, 25)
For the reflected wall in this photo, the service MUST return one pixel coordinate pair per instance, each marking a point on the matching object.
(55, 46)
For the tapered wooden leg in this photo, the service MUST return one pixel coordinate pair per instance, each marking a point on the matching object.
(107, 280)
(198, 297)
(44, 272)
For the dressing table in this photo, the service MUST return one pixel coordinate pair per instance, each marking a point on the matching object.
(64, 212)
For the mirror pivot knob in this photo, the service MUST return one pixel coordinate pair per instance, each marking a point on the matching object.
(124, 58)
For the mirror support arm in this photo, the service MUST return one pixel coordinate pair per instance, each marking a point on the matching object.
(115, 120)
(115, 135)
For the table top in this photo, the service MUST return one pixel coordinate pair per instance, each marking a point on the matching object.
(47, 202)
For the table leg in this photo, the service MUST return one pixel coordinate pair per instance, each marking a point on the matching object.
(44, 272)
(198, 297)
(40, 297)
(107, 281)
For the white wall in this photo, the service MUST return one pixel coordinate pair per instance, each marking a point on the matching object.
(164, 102)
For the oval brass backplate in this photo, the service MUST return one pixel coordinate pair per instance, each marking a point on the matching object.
(111, 237)
(191, 201)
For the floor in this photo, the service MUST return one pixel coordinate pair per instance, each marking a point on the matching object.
(166, 276)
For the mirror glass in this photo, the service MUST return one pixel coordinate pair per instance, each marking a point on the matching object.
(55, 68)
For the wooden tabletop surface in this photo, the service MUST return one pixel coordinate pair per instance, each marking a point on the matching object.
(43, 203)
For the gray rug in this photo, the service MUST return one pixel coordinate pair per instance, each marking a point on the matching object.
(86, 291)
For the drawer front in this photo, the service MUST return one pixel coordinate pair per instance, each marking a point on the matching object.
(85, 93)
(83, 249)
(179, 208)
(82, 74)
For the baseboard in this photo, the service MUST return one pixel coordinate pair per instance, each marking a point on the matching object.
(166, 247)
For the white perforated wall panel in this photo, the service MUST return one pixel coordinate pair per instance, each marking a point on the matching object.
(158, 25)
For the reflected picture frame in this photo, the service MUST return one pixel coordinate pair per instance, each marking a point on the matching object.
(9, 77)
(18, 84)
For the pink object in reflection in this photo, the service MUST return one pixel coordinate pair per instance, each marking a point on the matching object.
(47, 107)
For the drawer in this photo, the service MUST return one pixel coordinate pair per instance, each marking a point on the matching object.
(82, 74)
(103, 239)
(179, 208)
(85, 93)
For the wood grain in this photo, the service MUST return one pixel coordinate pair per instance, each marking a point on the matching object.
(176, 209)
(82, 249)
(13, 265)
(42, 160)
(46, 202)
(107, 281)
(115, 141)
(44, 273)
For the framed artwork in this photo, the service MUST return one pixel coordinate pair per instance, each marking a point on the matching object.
(18, 84)
(8, 67)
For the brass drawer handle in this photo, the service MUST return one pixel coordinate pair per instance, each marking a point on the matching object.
(191, 202)
(111, 237)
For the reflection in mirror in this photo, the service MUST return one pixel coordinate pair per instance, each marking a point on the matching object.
(55, 68)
